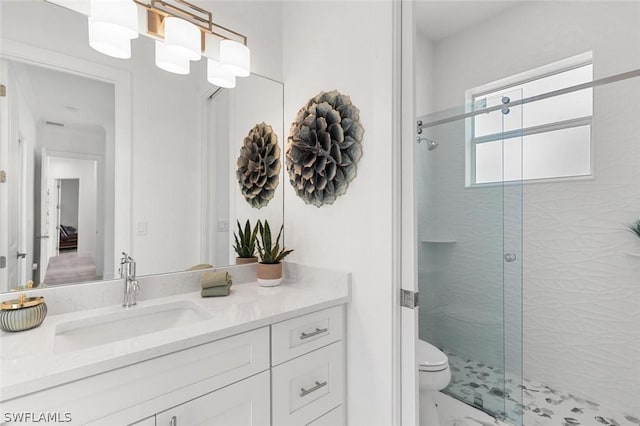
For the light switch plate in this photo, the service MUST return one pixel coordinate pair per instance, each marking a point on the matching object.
(223, 226)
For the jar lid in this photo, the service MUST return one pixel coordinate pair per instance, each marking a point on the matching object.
(21, 303)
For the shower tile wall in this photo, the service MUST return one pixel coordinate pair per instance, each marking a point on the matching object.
(581, 288)
(582, 301)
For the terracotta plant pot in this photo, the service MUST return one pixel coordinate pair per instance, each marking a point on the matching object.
(269, 274)
(245, 260)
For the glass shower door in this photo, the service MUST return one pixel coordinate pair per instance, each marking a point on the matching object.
(470, 251)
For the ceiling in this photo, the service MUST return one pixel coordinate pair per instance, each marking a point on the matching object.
(442, 19)
(66, 98)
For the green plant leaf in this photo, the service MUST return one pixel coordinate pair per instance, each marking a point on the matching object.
(245, 240)
(266, 238)
(269, 250)
(635, 228)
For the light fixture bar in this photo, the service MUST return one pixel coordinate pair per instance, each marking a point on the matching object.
(242, 37)
(203, 19)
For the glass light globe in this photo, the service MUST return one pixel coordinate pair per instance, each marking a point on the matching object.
(102, 39)
(219, 75)
(236, 57)
(183, 38)
(167, 60)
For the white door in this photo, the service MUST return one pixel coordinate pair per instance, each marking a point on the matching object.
(17, 224)
(245, 403)
(57, 212)
(4, 193)
(45, 215)
(12, 216)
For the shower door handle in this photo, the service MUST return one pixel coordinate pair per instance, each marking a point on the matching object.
(510, 257)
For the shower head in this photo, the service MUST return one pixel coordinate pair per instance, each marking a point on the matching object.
(431, 144)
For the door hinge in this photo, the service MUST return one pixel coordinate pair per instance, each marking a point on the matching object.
(3, 176)
(408, 299)
(3, 262)
(3, 90)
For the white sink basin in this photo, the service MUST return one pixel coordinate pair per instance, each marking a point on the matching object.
(126, 324)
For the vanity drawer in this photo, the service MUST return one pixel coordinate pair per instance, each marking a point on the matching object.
(298, 336)
(307, 387)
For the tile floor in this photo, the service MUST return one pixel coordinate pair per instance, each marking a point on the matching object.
(540, 406)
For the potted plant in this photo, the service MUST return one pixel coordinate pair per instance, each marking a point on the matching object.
(245, 245)
(271, 255)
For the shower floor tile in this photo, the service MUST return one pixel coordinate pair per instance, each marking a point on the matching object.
(542, 405)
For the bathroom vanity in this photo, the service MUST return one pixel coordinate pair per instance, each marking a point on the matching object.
(260, 356)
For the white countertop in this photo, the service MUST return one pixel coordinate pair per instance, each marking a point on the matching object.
(28, 362)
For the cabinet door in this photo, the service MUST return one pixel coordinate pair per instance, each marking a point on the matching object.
(246, 403)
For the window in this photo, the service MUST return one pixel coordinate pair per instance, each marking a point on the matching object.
(549, 138)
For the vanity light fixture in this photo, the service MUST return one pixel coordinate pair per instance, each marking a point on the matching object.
(168, 60)
(112, 26)
(104, 42)
(236, 57)
(219, 75)
(184, 32)
(182, 38)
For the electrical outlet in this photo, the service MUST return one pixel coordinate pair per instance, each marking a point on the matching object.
(223, 226)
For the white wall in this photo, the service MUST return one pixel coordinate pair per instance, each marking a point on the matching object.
(219, 136)
(424, 68)
(581, 297)
(348, 46)
(167, 109)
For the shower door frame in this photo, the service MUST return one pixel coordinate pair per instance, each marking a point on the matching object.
(405, 226)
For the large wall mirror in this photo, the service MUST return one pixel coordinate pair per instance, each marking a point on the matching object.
(105, 155)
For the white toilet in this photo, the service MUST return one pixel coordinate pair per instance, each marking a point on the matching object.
(435, 375)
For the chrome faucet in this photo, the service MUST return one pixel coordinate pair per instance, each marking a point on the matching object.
(128, 274)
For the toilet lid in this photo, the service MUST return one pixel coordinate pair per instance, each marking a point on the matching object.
(431, 358)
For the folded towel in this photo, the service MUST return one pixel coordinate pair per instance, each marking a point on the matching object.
(215, 291)
(200, 266)
(215, 279)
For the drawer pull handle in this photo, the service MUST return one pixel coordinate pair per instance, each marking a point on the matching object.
(314, 333)
(174, 421)
(305, 392)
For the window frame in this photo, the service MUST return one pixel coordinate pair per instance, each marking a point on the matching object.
(506, 84)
